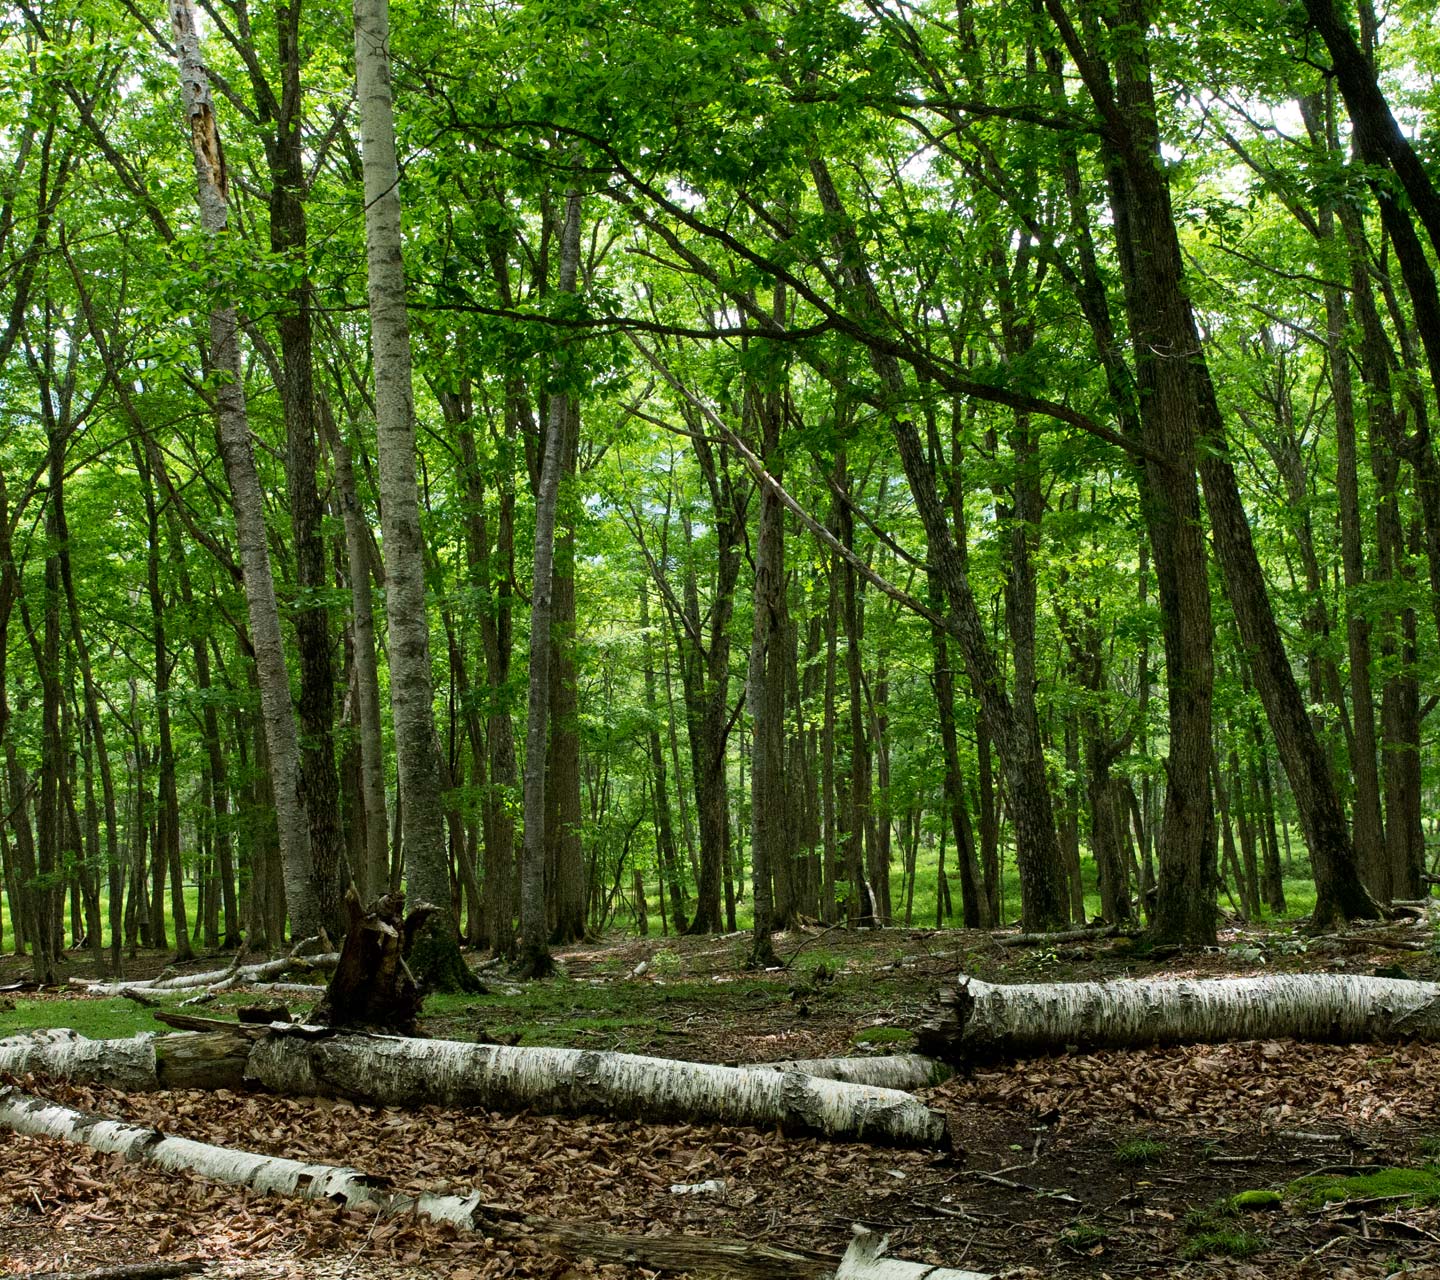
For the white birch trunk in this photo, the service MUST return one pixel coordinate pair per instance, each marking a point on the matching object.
(395, 1071)
(906, 1071)
(278, 713)
(25, 1114)
(411, 686)
(978, 1020)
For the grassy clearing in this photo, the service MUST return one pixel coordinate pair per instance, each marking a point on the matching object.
(112, 1017)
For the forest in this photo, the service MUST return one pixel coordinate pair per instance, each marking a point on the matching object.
(590, 461)
(803, 634)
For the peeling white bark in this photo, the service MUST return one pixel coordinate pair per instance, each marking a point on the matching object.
(865, 1260)
(215, 980)
(23, 1113)
(907, 1071)
(403, 1072)
(979, 1020)
(67, 1055)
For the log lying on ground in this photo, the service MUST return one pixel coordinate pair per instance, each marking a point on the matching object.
(740, 1259)
(1090, 933)
(211, 1060)
(216, 980)
(907, 1071)
(396, 1071)
(976, 1020)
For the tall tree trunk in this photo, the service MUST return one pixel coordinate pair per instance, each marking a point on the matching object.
(767, 683)
(372, 872)
(665, 835)
(436, 957)
(534, 927)
(247, 501)
(565, 859)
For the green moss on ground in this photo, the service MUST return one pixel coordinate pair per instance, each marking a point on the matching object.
(1413, 1186)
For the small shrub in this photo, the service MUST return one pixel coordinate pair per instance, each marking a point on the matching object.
(665, 962)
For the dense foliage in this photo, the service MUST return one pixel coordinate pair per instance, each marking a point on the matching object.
(985, 445)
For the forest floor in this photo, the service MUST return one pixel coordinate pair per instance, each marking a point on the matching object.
(1106, 1164)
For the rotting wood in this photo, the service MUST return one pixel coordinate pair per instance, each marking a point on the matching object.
(1087, 934)
(734, 1259)
(372, 987)
(976, 1020)
(216, 980)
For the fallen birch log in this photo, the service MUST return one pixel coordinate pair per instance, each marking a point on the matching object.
(977, 1020)
(740, 1259)
(210, 1060)
(907, 1071)
(216, 980)
(397, 1071)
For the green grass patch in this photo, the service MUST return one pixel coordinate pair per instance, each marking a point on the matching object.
(116, 1018)
(885, 1035)
(1132, 1153)
(1084, 1236)
(1222, 1242)
(1411, 1186)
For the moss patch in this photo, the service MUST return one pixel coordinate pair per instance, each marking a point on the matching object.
(1413, 1186)
(1257, 1201)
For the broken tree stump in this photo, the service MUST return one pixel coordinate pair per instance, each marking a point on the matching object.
(372, 988)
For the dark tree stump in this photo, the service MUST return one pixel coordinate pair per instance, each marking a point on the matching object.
(373, 988)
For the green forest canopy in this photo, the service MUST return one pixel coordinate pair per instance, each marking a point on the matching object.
(993, 434)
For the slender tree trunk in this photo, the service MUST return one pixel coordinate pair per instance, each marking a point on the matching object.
(372, 872)
(436, 958)
(565, 857)
(665, 836)
(282, 741)
(534, 929)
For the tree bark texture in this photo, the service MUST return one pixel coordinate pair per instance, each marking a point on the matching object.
(427, 869)
(281, 739)
(976, 1020)
(729, 1259)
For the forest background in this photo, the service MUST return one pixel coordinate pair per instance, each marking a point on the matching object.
(847, 446)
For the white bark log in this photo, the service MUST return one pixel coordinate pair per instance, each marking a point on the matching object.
(979, 1020)
(216, 980)
(394, 1071)
(26, 1114)
(907, 1071)
(67, 1055)
(865, 1260)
